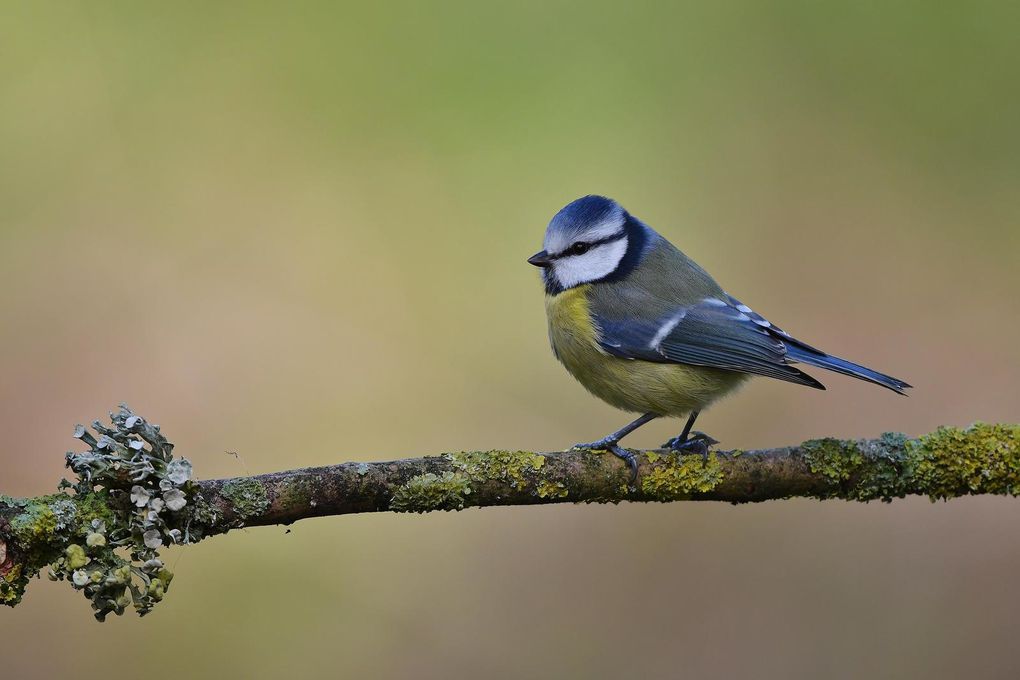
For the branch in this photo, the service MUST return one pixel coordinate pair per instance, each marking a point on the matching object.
(132, 497)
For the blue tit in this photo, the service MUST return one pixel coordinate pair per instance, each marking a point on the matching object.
(647, 330)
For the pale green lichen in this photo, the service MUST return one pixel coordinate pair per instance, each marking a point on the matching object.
(36, 532)
(860, 471)
(430, 491)
(520, 470)
(295, 492)
(204, 515)
(248, 496)
(106, 545)
(548, 489)
(947, 463)
(75, 556)
(12, 586)
(104, 539)
(516, 468)
(982, 459)
(37, 526)
(675, 477)
(96, 506)
(834, 459)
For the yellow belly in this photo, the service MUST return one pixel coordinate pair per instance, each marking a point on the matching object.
(631, 385)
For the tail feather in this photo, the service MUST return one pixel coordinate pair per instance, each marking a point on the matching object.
(821, 360)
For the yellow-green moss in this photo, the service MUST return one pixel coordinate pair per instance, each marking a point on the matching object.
(37, 530)
(834, 459)
(432, 492)
(36, 526)
(75, 557)
(94, 506)
(248, 496)
(295, 492)
(516, 468)
(981, 459)
(947, 463)
(547, 489)
(98, 539)
(12, 586)
(40, 532)
(675, 477)
(862, 471)
(204, 515)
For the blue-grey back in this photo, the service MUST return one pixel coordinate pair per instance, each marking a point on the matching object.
(665, 280)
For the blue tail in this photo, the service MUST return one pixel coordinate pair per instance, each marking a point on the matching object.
(814, 357)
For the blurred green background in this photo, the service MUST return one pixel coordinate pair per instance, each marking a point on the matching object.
(297, 231)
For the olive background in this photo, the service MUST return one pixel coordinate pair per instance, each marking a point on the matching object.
(298, 232)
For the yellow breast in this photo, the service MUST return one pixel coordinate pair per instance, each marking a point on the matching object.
(631, 385)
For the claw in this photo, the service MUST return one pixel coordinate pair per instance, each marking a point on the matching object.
(604, 444)
(628, 458)
(696, 442)
(612, 445)
(709, 440)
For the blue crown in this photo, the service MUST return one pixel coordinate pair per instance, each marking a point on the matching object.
(582, 213)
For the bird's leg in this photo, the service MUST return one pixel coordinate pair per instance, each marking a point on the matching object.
(611, 443)
(691, 442)
(682, 437)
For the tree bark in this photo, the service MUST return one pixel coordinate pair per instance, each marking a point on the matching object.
(132, 493)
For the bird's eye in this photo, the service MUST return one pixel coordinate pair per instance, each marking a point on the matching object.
(580, 248)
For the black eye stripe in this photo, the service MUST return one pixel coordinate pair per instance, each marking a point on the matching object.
(590, 244)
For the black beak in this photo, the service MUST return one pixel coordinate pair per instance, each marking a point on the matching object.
(540, 259)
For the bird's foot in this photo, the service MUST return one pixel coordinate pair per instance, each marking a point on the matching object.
(604, 444)
(613, 446)
(695, 442)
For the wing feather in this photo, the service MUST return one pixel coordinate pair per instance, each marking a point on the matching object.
(714, 332)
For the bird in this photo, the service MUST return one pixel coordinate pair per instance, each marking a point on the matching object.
(643, 327)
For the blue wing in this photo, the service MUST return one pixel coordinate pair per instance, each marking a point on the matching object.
(724, 333)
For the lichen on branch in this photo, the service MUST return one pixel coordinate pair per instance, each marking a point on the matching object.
(105, 538)
(131, 497)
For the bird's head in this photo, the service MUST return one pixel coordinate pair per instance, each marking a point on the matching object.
(590, 239)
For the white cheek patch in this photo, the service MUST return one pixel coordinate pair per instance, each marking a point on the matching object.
(597, 263)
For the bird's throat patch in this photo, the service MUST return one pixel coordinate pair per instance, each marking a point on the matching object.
(570, 321)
